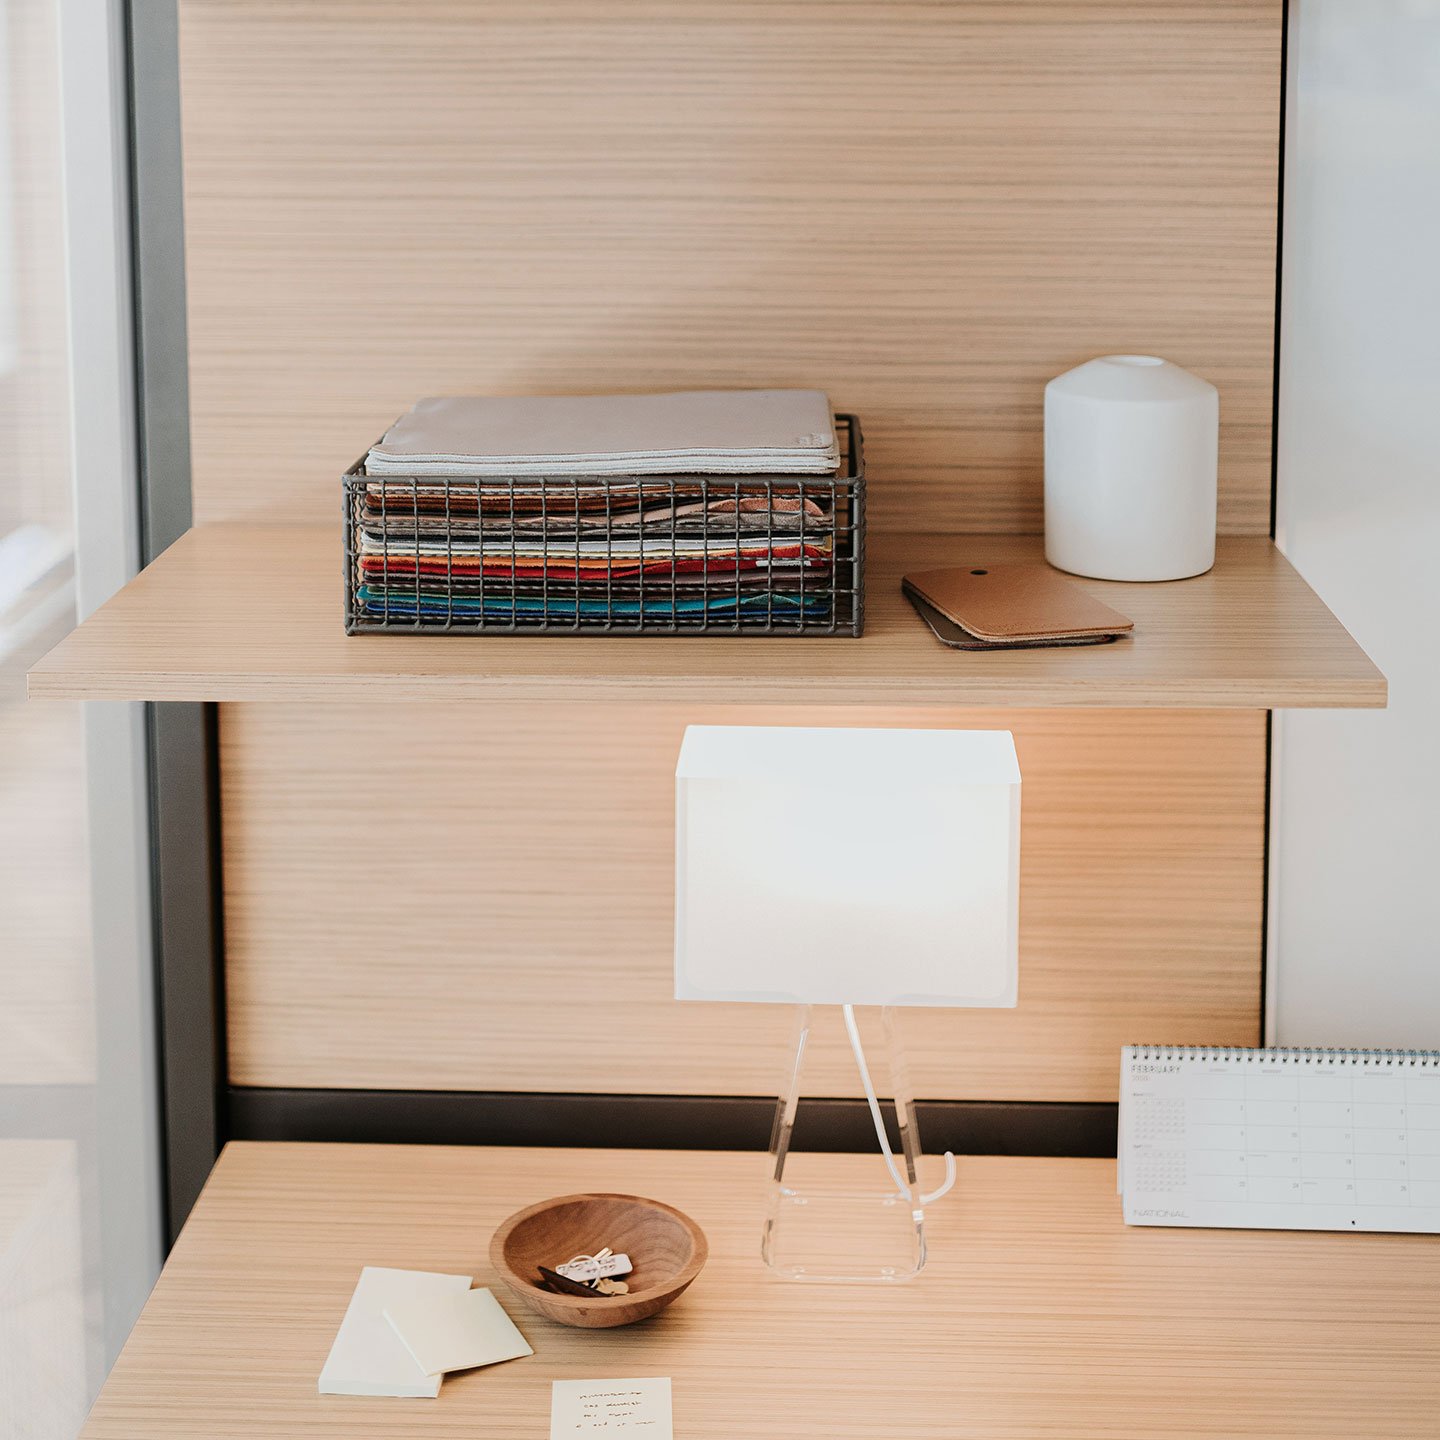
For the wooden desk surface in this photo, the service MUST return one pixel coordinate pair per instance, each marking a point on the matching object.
(1040, 1314)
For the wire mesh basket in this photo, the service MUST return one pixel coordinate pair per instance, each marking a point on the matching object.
(614, 554)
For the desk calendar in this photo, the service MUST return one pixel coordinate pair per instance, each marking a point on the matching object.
(1280, 1139)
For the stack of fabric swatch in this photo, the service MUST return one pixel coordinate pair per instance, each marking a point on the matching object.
(569, 509)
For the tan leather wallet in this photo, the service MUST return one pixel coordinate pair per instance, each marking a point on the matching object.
(1017, 605)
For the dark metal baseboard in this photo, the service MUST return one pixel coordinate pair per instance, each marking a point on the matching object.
(185, 858)
(660, 1122)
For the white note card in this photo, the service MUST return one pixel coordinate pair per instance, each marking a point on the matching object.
(368, 1357)
(456, 1332)
(1280, 1139)
(611, 1407)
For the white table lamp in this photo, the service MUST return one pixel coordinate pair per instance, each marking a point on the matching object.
(833, 867)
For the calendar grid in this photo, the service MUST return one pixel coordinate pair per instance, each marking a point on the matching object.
(1281, 1138)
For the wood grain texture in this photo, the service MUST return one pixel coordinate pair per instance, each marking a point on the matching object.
(240, 612)
(1040, 1314)
(414, 893)
(926, 209)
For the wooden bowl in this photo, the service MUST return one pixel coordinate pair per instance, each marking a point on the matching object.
(666, 1248)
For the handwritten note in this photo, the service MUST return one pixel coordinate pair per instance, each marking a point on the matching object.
(610, 1407)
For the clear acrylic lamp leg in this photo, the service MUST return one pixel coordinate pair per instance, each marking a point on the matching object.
(862, 1235)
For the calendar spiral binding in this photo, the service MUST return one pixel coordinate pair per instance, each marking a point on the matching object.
(1289, 1054)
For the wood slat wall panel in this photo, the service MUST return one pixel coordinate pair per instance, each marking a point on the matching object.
(418, 895)
(926, 209)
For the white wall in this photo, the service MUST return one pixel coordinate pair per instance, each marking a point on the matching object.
(80, 1194)
(103, 450)
(1355, 877)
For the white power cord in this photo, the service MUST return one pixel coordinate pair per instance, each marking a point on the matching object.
(879, 1119)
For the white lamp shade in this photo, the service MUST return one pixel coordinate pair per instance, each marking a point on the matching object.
(864, 867)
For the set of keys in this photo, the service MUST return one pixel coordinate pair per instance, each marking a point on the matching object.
(590, 1274)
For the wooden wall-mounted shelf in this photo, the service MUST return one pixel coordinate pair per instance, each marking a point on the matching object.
(253, 612)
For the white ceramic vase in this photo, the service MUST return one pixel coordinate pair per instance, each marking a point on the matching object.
(1131, 454)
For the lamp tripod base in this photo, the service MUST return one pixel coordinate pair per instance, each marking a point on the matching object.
(821, 1234)
(841, 1239)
